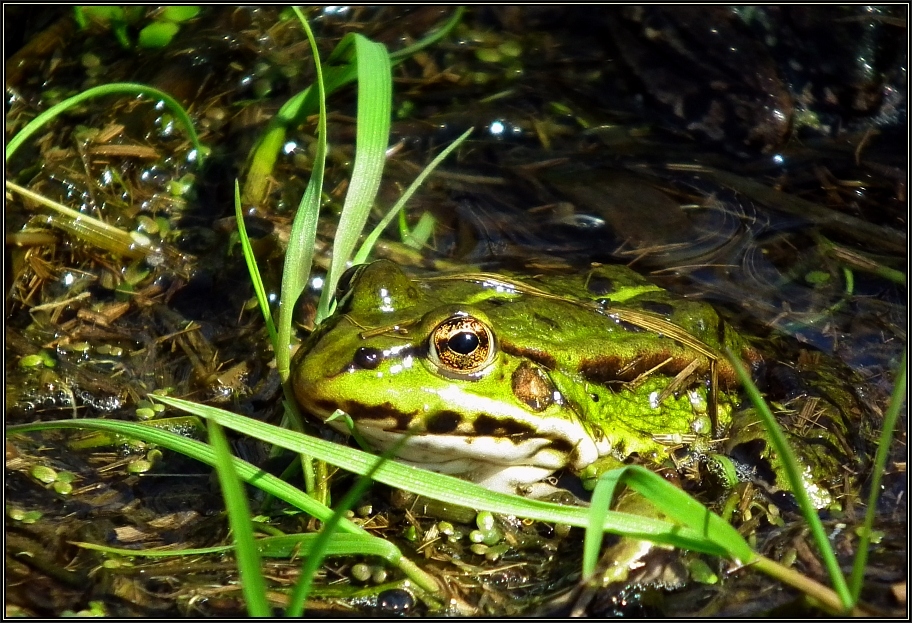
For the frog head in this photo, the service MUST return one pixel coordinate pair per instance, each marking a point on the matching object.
(424, 359)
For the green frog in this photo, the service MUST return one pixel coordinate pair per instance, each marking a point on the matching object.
(504, 379)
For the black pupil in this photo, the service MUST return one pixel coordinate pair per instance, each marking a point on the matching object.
(463, 343)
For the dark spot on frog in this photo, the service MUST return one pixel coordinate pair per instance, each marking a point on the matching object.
(609, 369)
(599, 285)
(532, 387)
(540, 357)
(368, 358)
(326, 405)
(347, 278)
(656, 307)
(360, 412)
(444, 422)
(547, 321)
(488, 426)
(562, 445)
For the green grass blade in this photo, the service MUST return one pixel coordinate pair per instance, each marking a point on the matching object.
(247, 472)
(372, 238)
(255, 277)
(305, 103)
(116, 88)
(880, 461)
(679, 506)
(420, 234)
(598, 508)
(291, 545)
(793, 473)
(199, 451)
(253, 584)
(264, 154)
(375, 88)
(449, 488)
(304, 585)
(154, 552)
(299, 256)
(281, 546)
(431, 39)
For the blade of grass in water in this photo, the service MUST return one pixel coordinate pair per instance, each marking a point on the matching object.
(304, 104)
(793, 473)
(372, 237)
(671, 501)
(116, 88)
(448, 488)
(281, 546)
(255, 277)
(299, 256)
(247, 472)
(880, 462)
(296, 272)
(375, 88)
(420, 234)
(253, 584)
(304, 585)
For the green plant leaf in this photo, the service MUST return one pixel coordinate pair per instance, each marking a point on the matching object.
(375, 88)
(249, 258)
(180, 13)
(282, 546)
(299, 255)
(796, 486)
(253, 584)
(371, 239)
(116, 88)
(157, 34)
(449, 488)
(880, 462)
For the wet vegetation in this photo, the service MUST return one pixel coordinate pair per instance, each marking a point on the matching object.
(751, 157)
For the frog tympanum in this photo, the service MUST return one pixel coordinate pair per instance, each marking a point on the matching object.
(503, 379)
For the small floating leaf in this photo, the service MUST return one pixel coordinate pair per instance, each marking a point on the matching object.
(44, 474)
(157, 34)
(179, 13)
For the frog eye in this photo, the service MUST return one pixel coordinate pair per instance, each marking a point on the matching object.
(461, 345)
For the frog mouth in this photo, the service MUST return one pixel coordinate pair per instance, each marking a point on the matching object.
(499, 463)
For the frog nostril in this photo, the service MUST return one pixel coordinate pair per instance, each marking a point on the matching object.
(368, 358)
